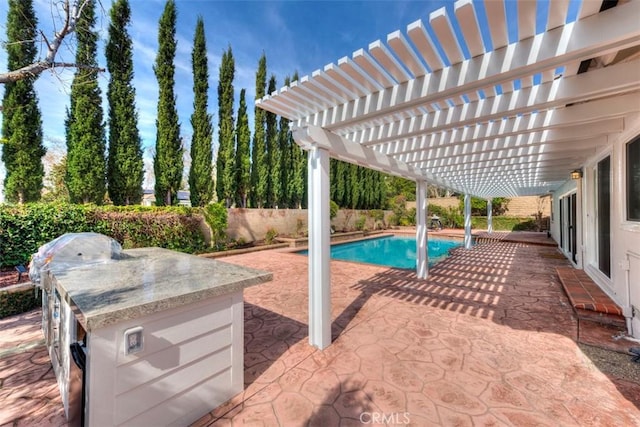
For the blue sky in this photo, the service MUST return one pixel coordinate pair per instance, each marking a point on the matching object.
(294, 35)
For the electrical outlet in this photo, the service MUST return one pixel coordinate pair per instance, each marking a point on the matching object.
(133, 340)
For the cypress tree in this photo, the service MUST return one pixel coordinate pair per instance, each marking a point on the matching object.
(273, 158)
(200, 179)
(346, 177)
(368, 193)
(363, 188)
(22, 150)
(333, 180)
(298, 177)
(125, 167)
(284, 151)
(354, 185)
(167, 163)
(243, 160)
(382, 196)
(259, 166)
(225, 185)
(85, 177)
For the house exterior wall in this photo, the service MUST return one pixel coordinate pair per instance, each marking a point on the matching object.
(624, 284)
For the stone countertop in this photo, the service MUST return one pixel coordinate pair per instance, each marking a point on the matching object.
(146, 281)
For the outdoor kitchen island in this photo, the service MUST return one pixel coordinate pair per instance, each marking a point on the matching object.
(162, 331)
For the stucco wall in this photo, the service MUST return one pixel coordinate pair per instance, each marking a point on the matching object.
(253, 224)
(518, 206)
(528, 206)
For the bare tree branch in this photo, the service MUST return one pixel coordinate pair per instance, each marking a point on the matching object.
(72, 12)
(36, 68)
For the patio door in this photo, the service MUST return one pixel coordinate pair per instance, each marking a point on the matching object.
(603, 215)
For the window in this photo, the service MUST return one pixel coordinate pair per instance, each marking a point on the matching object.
(603, 214)
(633, 180)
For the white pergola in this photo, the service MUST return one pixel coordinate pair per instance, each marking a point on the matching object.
(483, 117)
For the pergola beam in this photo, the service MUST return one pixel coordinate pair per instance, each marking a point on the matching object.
(344, 149)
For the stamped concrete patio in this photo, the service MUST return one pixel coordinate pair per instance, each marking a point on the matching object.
(488, 339)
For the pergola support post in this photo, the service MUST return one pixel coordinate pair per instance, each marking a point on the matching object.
(319, 248)
(490, 216)
(422, 257)
(467, 221)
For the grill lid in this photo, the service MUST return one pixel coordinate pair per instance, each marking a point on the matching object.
(73, 250)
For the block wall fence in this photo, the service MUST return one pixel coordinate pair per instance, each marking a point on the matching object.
(253, 224)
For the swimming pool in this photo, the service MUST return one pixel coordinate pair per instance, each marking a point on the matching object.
(392, 251)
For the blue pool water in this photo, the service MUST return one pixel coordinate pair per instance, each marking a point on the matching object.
(393, 251)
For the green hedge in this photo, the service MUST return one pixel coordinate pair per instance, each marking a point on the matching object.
(176, 228)
(24, 228)
(17, 302)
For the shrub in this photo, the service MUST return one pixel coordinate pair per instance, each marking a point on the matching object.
(172, 228)
(271, 235)
(24, 228)
(378, 218)
(499, 205)
(333, 209)
(452, 218)
(401, 216)
(376, 214)
(409, 218)
(17, 302)
(360, 223)
(300, 228)
(215, 214)
(439, 211)
(398, 205)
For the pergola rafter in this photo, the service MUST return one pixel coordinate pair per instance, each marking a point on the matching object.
(416, 149)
